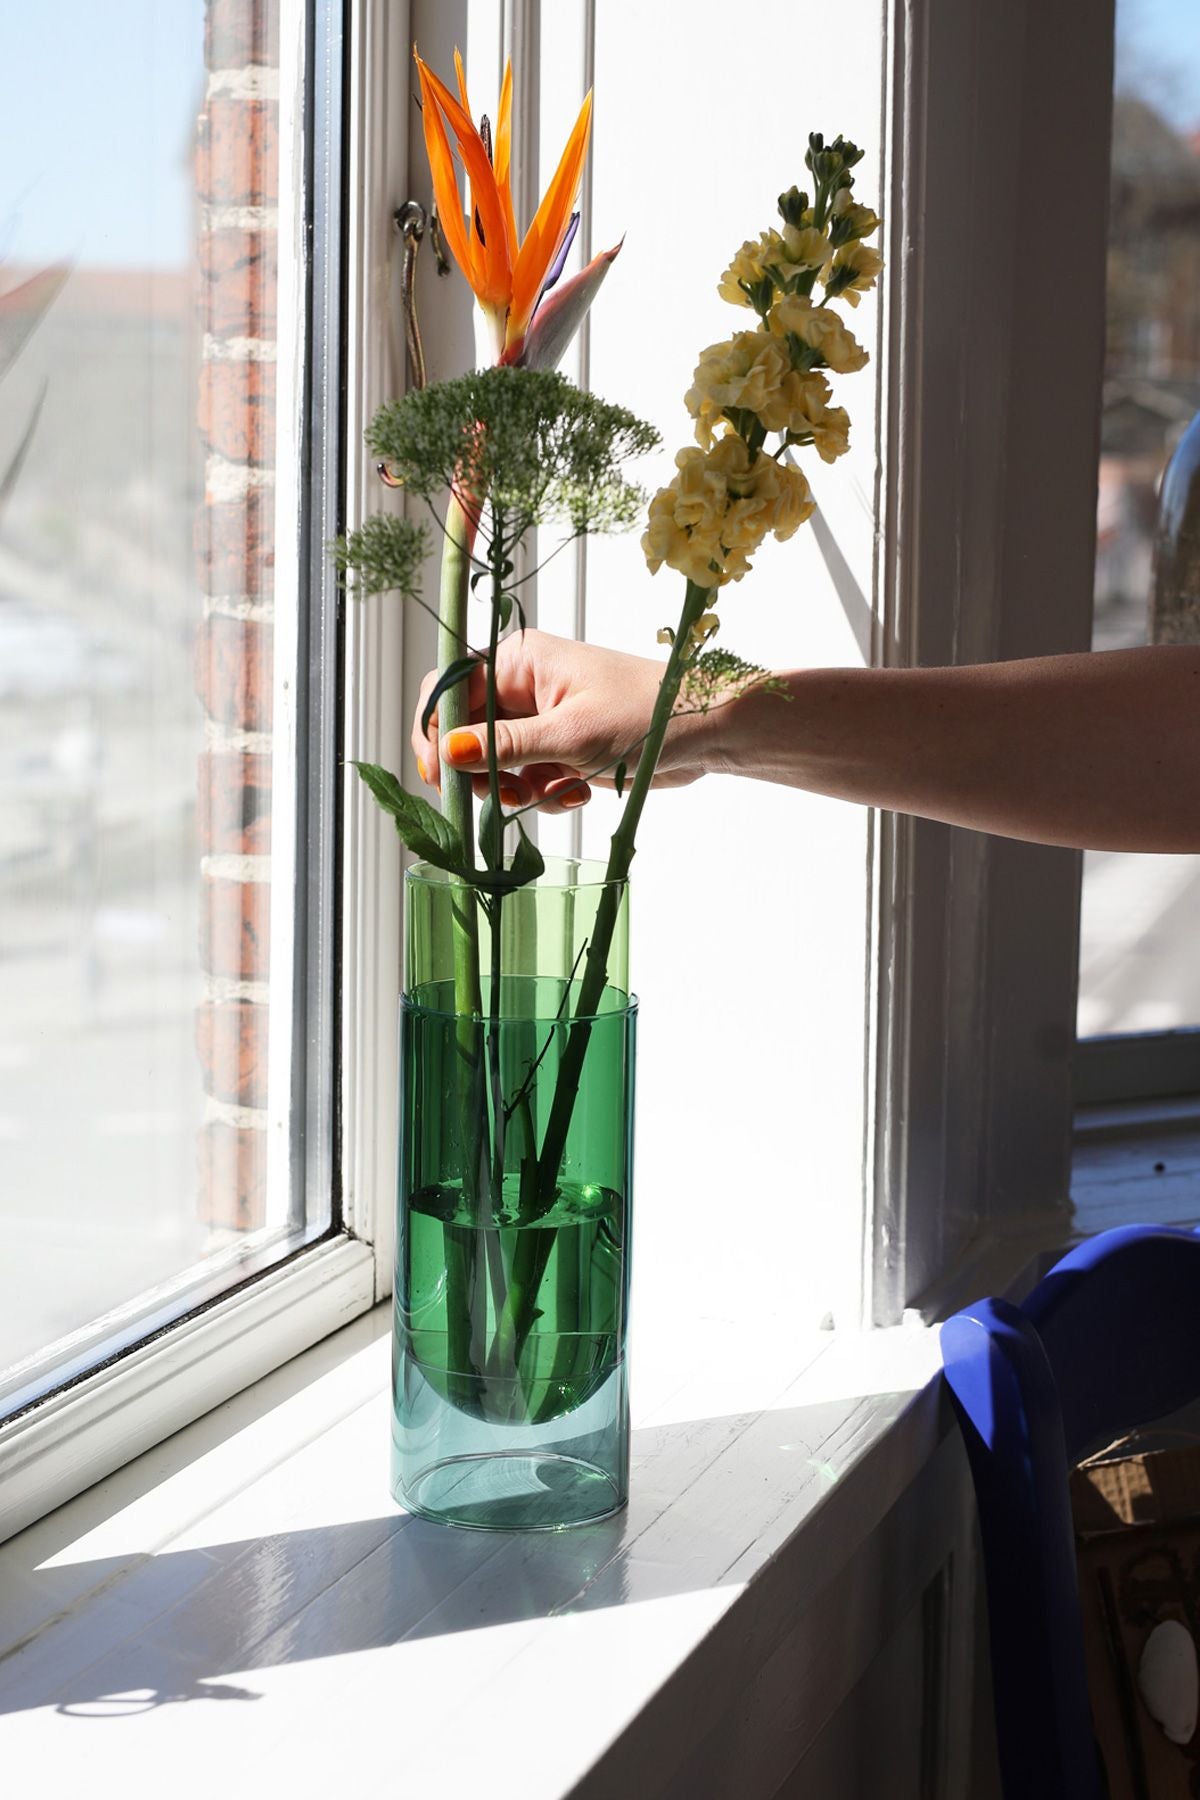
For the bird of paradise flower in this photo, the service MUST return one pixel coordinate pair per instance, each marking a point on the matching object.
(510, 275)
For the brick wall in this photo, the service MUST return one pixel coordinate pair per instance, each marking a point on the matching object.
(237, 212)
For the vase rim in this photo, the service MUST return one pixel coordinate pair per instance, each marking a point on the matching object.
(413, 1003)
(560, 872)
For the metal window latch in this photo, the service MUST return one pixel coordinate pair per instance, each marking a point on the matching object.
(412, 222)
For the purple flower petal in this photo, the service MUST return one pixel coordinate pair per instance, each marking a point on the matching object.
(556, 267)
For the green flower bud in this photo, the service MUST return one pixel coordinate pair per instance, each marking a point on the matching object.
(792, 206)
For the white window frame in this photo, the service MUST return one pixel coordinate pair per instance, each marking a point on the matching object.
(1002, 163)
(84, 1430)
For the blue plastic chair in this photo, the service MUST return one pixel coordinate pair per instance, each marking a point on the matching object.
(1109, 1340)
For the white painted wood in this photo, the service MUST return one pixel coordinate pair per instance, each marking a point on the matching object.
(988, 547)
(376, 722)
(256, 1560)
(82, 1433)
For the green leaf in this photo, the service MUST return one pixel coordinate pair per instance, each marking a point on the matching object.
(505, 610)
(491, 834)
(450, 677)
(424, 830)
(619, 778)
(527, 862)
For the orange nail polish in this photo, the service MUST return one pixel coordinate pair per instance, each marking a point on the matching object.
(462, 746)
(573, 797)
(509, 795)
(421, 769)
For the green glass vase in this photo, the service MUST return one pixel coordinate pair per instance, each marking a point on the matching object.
(510, 1391)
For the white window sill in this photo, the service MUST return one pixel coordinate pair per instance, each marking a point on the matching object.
(255, 1559)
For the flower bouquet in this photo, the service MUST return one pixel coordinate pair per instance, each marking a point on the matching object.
(510, 1395)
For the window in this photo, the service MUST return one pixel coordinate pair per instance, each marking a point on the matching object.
(1139, 974)
(855, 1052)
(170, 352)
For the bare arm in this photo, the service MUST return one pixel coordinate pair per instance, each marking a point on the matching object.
(1097, 751)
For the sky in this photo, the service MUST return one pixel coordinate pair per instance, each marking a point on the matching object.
(98, 102)
(1158, 56)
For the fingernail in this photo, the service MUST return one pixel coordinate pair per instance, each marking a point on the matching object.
(509, 795)
(572, 797)
(462, 746)
(421, 769)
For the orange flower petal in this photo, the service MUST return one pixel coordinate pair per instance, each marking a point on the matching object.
(493, 266)
(445, 182)
(504, 161)
(461, 73)
(546, 233)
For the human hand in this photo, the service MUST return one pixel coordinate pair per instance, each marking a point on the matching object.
(564, 710)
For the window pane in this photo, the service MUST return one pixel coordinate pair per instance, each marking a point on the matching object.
(145, 790)
(1140, 960)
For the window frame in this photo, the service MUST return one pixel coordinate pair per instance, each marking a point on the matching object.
(991, 533)
(101, 1419)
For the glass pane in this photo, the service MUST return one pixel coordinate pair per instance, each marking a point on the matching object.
(143, 1122)
(1139, 956)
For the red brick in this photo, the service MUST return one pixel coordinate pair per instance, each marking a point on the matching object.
(237, 151)
(235, 544)
(236, 413)
(234, 802)
(238, 291)
(235, 928)
(231, 1041)
(233, 672)
(233, 1176)
(239, 32)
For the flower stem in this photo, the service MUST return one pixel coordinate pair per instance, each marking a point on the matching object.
(533, 1253)
(466, 1298)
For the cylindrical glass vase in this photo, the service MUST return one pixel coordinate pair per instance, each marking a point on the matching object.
(510, 1392)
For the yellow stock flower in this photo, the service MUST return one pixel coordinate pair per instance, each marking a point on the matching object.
(744, 371)
(864, 264)
(860, 220)
(794, 504)
(804, 248)
(667, 541)
(748, 265)
(719, 508)
(801, 405)
(780, 255)
(822, 330)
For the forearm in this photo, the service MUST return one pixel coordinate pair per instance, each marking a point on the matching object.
(1097, 751)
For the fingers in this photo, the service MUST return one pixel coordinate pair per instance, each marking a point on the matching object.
(555, 787)
(551, 787)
